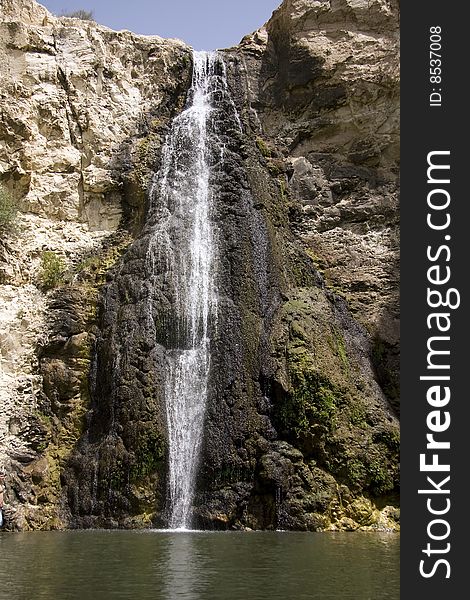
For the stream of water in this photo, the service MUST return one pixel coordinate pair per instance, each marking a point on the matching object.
(184, 240)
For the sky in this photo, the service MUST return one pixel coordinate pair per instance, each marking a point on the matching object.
(203, 24)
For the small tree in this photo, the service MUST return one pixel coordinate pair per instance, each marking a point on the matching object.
(8, 209)
(85, 15)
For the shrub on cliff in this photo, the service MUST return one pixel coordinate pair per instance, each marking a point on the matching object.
(8, 209)
(53, 270)
(84, 15)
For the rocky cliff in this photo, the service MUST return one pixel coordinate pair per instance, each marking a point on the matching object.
(81, 107)
(322, 80)
(301, 430)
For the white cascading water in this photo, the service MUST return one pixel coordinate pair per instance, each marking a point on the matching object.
(184, 241)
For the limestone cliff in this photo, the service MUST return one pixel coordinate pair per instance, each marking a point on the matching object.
(301, 430)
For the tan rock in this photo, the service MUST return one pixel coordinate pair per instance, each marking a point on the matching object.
(24, 11)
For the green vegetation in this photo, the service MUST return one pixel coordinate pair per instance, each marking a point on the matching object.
(358, 416)
(312, 401)
(8, 209)
(371, 472)
(117, 476)
(275, 167)
(263, 148)
(380, 477)
(149, 452)
(84, 15)
(92, 270)
(389, 437)
(357, 472)
(340, 348)
(53, 270)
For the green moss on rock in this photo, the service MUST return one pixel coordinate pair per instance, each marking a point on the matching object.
(149, 452)
(313, 400)
(263, 148)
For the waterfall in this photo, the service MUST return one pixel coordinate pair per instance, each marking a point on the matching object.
(184, 242)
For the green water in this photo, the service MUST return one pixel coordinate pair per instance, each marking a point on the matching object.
(98, 565)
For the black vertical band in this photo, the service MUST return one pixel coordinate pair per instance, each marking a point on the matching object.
(434, 300)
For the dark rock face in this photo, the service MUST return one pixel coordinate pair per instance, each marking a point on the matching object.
(312, 441)
(117, 469)
(137, 323)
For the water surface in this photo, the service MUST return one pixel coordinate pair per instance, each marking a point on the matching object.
(104, 565)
